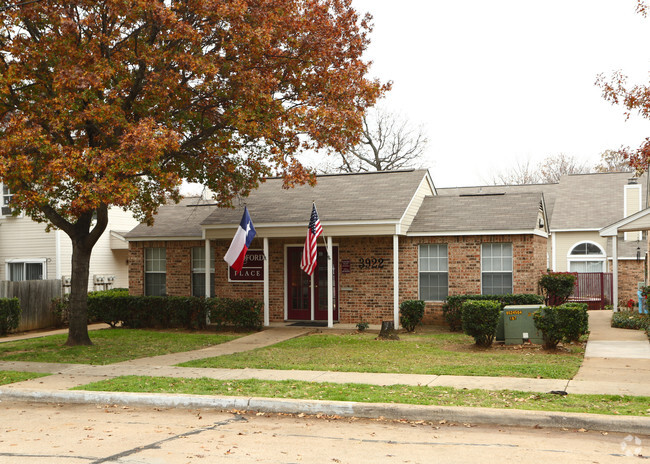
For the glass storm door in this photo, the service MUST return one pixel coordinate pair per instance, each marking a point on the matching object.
(299, 286)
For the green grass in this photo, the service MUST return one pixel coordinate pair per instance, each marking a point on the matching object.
(437, 354)
(109, 346)
(12, 376)
(440, 396)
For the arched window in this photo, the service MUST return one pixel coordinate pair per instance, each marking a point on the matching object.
(586, 257)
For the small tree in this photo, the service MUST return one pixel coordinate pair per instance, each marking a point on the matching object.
(411, 313)
(480, 320)
(557, 287)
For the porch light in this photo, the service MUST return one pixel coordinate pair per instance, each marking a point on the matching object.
(638, 254)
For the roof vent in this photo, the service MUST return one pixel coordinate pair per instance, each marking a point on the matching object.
(632, 181)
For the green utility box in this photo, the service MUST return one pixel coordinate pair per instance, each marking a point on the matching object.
(518, 324)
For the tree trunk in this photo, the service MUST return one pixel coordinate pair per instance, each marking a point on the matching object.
(387, 331)
(78, 330)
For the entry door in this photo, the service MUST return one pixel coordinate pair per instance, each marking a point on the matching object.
(299, 286)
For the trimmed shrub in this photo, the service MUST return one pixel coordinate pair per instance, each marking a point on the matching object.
(631, 320)
(9, 315)
(480, 319)
(561, 323)
(452, 308)
(557, 287)
(60, 308)
(411, 313)
(242, 313)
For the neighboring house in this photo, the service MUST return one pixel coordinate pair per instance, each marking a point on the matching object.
(389, 235)
(578, 207)
(28, 252)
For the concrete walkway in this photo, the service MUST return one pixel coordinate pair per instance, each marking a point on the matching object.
(617, 361)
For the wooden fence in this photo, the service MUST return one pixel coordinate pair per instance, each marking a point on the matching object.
(35, 297)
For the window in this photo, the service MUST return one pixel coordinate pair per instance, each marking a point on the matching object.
(155, 271)
(198, 271)
(434, 272)
(26, 270)
(586, 257)
(6, 201)
(496, 268)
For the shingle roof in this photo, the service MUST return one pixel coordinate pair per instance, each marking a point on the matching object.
(485, 212)
(549, 191)
(180, 220)
(376, 196)
(591, 201)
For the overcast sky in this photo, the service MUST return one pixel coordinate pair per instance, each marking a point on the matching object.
(501, 80)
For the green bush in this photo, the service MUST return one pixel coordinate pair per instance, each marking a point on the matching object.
(242, 313)
(631, 320)
(9, 315)
(411, 313)
(561, 323)
(60, 308)
(480, 319)
(452, 308)
(115, 307)
(557, 287)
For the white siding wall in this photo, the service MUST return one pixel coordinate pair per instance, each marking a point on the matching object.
(22, 238)
(632, 200)
(423, 190)
(104, 261)
(565, 241)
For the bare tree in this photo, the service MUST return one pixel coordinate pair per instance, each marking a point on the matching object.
(547, 171)
(520, 173)
(388, 141)
(556, 166)
(613, 161)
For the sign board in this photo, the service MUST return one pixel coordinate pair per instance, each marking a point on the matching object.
(345, 266)
(253, 270)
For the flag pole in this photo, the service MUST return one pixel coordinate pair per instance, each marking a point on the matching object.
(322, 235)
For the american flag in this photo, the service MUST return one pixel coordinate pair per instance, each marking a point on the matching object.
(308, 262)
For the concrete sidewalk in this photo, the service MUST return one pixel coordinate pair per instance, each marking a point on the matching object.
(618, 363)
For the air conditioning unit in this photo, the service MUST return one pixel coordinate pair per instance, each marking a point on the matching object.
(98, 279)
(7, 210)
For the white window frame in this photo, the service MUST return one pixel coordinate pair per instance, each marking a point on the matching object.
(601, 257)
(421, 271)
(5, 203)
(201, 270)
(157, 271)
(500, 271)
(24, 262)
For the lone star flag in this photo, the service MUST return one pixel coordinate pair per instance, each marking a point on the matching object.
(240, 243)
(308, 262)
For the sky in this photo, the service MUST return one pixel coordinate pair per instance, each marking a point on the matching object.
(504, 81)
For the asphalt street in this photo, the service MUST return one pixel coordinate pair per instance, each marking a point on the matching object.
(35, 433)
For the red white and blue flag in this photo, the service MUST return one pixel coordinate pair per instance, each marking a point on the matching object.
(240, 243)
(308, 262)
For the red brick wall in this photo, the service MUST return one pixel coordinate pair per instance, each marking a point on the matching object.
(365, 294)
(529, 263)
(630, 272)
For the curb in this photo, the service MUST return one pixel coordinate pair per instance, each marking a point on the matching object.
(489, 416)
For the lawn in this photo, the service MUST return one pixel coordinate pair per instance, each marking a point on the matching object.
(12, 376)
(109, 346)
(440, 396)
(428, 353)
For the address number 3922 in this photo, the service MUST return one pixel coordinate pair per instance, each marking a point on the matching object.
(371, 263)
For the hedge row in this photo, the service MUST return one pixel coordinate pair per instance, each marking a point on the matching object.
(631, 320)
(9, 315)
(117, 307)
(453, 306)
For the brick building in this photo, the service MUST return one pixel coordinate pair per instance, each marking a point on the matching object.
(387, 237)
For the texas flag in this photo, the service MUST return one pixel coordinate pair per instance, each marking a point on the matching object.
(240, 243)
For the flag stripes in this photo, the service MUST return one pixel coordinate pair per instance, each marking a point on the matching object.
(309, 252)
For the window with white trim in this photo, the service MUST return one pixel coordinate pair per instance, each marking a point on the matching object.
(18, 270)
(198, 271)
(587, 257)
(496, 268)
(433, 266)
(6, 209)
(155, 271)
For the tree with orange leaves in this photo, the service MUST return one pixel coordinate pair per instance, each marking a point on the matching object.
(113, 103)
(635, 99)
